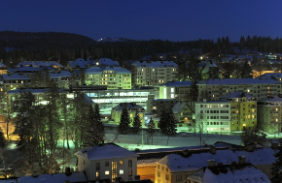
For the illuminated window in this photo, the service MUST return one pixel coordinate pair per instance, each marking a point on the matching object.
(121, 172)
(140, 115)
(172, 90)
(105, 71)
(172, 96)
(97, 174)
(121, 162)
(107, 172)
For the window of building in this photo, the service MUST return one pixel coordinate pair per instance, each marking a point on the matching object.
(159, 174)
(97, 174)
(121, 172)
(162, 168)
(107, 163)
(129, 163)
(97, 166)
(121, 162)
(107, 172)
(166, 177)
(178, 178)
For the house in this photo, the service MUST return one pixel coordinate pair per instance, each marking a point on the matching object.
(13, 81)
(132, 108)
(107, 161)
(36, 64)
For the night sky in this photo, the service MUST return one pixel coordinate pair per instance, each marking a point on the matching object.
(176, 20)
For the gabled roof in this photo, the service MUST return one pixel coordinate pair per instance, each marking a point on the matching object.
(2, 65)
(15, 76)
(239, 81)
(238, 173)
(178, 107)
(106, 151)
(39, 63)
(271, 99)
(178, 163)
(60, 74)
(82, 63)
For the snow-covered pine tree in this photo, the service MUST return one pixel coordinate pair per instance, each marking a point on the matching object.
(246, 70)
(276, 169)
(96, 132)
(137, 124)
(151, 130)
(171, 124)
(162, 122)
(194, 91)
(124, 121)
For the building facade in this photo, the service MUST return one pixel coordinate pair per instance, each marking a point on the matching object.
(107, 161)
(153, 72)
(270, 114)
(132, 108)
(258, 88)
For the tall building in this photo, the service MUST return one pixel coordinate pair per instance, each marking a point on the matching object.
(270, 114)
(233, 112)
(153, 72)
(258, 88)
(114, 77)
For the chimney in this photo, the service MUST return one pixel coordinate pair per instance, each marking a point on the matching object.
(34, 174)
(67, 171)
(211, 163)
(137, 177)
(212, 149)
(249, 147)
(274, 144)
(242, 160)
(185, 152)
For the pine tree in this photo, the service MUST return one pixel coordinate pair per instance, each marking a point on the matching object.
(276, 170)
(137, 124)
(246, 70)
(3, 154)
(124, 121)
(171, 124)
(162, 122)
(151, 129)
(96, 133)
(193, 94)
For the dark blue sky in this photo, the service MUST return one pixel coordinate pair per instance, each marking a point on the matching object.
(177, 20)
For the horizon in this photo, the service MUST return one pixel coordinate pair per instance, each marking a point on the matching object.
(145, 20)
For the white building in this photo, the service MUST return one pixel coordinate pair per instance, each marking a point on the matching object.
(107, 161)
(153, 72)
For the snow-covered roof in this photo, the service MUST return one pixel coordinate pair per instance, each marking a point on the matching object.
(14, 76)
(239, 81)
(238, 173)
(130, 106)
(82, 63)
(155, 64)
(60, 74)
(177, 84)
(178, 107)
(32, 90)
(258, 156)
(100, 70)
(178, 163)
(271, 99)
(48, 178)
(235, 95)
(39, 63)
(270, 75)
(106, 151)
(2, 65)
(24, 69)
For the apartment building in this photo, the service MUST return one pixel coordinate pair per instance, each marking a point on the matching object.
(80, 63)
(233, 112)
(270, 114)
(107, 161)
(258, 88)
(132, 108)
(13, 81)
(175, 90)
(3, 68)
(114, 77)
(153, 72)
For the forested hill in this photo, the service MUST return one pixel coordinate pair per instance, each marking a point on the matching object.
(19, 46)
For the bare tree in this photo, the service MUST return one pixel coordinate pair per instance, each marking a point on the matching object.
(200, 126)
(253, 135)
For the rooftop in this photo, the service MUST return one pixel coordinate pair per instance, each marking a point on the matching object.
(39, 63)
(178, 84)
(14, 76)
(239, 81)
(155, 64)
(232, 95)
(106, 151)
(271, 99)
